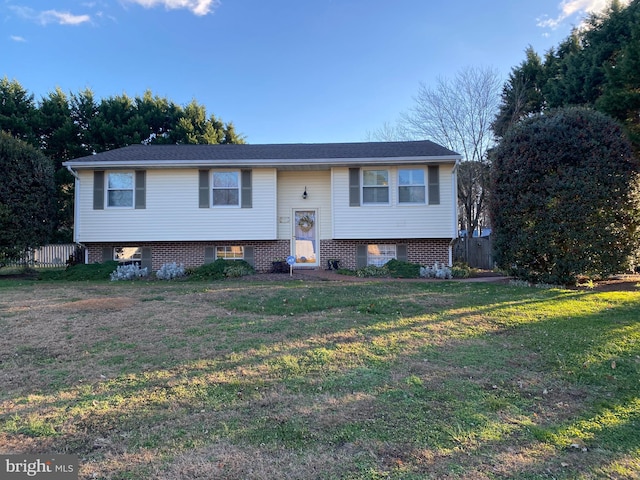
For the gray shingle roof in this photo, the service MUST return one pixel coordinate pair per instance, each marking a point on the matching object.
(273, 152)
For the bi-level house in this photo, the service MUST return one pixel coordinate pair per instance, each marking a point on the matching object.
(360, 203)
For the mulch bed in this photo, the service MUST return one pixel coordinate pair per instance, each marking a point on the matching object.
(618, 283)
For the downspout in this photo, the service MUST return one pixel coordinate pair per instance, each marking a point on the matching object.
(76, 195)
(454, 193)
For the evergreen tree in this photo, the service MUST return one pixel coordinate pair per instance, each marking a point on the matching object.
(522, 93)
(27, 198)
(65, 127)
(596, 66)
(17, 111)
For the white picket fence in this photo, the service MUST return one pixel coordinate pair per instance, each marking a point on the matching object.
(46, 256)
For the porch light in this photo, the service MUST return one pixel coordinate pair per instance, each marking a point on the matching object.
(304, 194)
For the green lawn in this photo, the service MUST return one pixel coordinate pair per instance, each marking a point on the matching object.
(322, 380)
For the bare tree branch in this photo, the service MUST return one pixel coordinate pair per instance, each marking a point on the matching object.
(458, 113)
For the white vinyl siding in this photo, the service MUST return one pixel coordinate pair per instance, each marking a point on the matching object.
(395, 220)
(172, 212)
(291, 186)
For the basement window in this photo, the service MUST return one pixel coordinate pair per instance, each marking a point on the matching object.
(380, 254)
(233, 252)
(127, 255)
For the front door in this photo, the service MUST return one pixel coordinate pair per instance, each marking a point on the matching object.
(305, 242)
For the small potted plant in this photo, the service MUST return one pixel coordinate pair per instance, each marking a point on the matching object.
(333, 264)
(279, 265)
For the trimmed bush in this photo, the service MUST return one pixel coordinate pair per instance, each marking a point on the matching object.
(565, 199)
(169, 271)
(128, 272)
(439, 270)
(372, 271)
(401, 269)
(80, 272)
(218, 270)
(461, 270)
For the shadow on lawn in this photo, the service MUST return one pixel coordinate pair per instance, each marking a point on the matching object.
(403, 381)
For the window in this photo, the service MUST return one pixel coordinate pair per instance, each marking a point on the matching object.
(375, 186)
(233, 252)
(411, 186)
(378, 255)
(127, 255)
(120, 189)
(226, 188)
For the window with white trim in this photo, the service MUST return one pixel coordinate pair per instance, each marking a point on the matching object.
(378, 255)
(230, 252)
(411, 186)
(120, 189)
(127, 255)
(226, 188)
(375, 186)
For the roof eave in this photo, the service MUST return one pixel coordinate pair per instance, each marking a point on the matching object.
(320, 162)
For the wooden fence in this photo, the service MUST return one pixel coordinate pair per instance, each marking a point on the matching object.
(476, 252)
(50, 256)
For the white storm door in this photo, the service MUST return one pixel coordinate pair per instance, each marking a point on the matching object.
(305, 237)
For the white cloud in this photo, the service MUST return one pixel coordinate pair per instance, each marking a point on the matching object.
(50, 16)
(569, 8)
(63, 18)
(197, 7)
(17, 38)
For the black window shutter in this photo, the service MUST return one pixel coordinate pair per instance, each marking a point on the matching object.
(98, 190)
(401, 253)
(248, 256)
(145, 261)
(361, 256)
(434, 185)
(209, 255)
(107, 254)
(246, 193)
(141, 189)
(204, 197)
(354, 187)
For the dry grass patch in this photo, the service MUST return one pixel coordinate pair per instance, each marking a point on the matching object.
(98, 304)
(403, 380)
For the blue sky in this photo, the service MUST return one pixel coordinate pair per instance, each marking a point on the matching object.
(284, 71)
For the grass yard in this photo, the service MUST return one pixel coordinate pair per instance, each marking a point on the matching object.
(322, 380)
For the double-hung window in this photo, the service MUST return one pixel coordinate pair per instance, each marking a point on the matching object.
(226, 188)
(120, 188)
(375, 186)
(411, 186)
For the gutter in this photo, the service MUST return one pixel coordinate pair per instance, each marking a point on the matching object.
(454, 194)
(76, 196)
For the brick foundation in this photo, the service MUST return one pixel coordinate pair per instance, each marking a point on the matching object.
(423, 251)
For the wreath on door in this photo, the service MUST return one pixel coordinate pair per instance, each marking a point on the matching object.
(305, 223)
